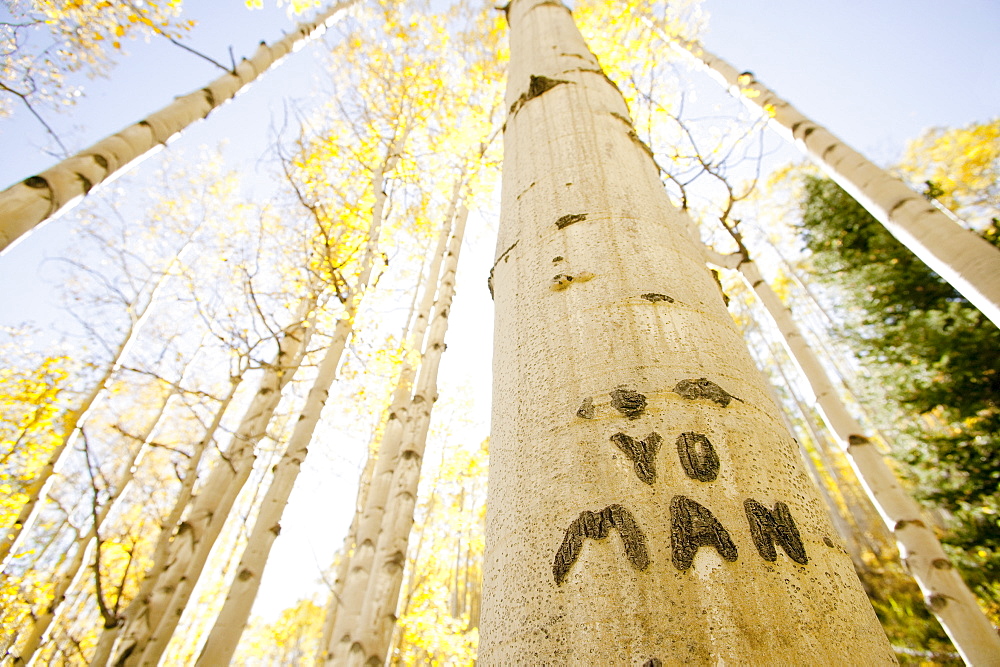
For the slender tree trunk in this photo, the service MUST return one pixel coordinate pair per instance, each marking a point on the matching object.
(645, 503)
(207, 506)
(346, 607)
(945, 593)
(34, 200)
(231, 621)
(369, 640)
(211, 514)
(963, 258)
(82, 546)
(105, 644)
(43, 479)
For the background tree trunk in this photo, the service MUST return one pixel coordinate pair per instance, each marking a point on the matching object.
(964, 259)
(34, 200)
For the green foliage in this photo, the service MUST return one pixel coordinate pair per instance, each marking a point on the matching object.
(934, 354)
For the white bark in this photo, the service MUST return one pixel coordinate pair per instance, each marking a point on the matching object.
(231, 621)
(346, 608)
(82, 545)
(208, 509)
(106, 642)
(369, 641)
(212, 508)
(27, 204)
(40, 486)
(945, 593)
(960, 256)
(610, 329)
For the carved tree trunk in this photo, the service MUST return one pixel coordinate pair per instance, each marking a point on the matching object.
(963, 258)
(945, 593)
(646, 504)
(27, 204)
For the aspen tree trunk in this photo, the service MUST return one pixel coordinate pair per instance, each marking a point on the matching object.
(336, 591)
(82, 545)
(868, 527)
(42, 482)
(945, 593)
(232, 619)
(635, 454)
(207, 513)
(105, 644)
(369, 642)
(27, 204)
(960, 256)
(346, 608)
(177, 589)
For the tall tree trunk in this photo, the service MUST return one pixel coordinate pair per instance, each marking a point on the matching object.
(963, 258)
(108, 637)
(231, 621)
(211, 515)
(334, 604)
(34, 200)
(370, 639)
(611, 340)
(43, 479)
(82, 545)
(346, 607)
(207, 511)
(945, 593)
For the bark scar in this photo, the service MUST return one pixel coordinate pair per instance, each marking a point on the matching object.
(537, 86)
(503, 256)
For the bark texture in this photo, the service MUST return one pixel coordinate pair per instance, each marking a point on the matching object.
(963, 258)
(27, 204)
(611, 325)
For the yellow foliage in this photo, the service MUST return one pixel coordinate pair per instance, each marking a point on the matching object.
(960, 167)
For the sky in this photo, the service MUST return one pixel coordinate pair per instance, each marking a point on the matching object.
(875, 73)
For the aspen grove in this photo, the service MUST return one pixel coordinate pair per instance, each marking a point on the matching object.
(478, 334)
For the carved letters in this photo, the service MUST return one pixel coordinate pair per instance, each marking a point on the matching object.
(595, 526)
(692, 525)
(698, 457)
(641, 452)
(768, 527)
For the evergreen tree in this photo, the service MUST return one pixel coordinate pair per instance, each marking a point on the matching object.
(932, 352)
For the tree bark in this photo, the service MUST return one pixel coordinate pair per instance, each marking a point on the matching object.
(960, 256)
(610, 340)
(945, 593)
(34, 200)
